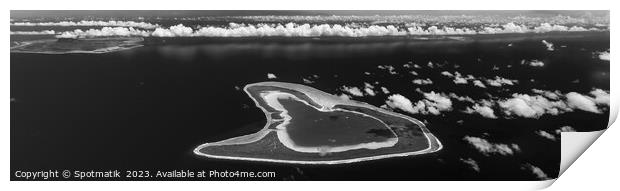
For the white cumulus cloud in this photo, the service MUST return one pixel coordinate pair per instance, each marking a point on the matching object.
(306, 30)
(103, 32)
(422, 81)
(461, 98)
(535, 63)
(548, 45)
(487, 148)
(344, 96)
(564, 129)
(546, 134)
(600, 96)
(543, 102)
(458, 78)
(578, 101)
(446, 73)
(401, 102)
(353, 91)
(389, 68)
(385, 90)
(479, 83)
(434, 103)
(271, 76)
(553, 95)
(90, 23)
(483, 110)
(307, 81)
(369, 89)
(472, 164)
(524, 105)
(174, 31)
(540, 174)
(603, 55)
(499, 81)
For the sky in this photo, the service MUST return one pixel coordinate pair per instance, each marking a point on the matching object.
(195, 13)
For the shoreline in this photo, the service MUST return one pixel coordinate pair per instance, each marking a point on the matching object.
(325, 100)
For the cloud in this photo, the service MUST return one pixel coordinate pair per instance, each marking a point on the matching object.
(564, 129)
(519, 105)
(507, 28)
(504, 29)
(479, 83)
(547, 135)
(297, 30)
(499, 81)
(548, 45)
(422, 81)
(344, 96)
(422, 20)
(305, 29)
(434, 103)
(487, 148)
(546, 27)
(307, 81)
(535, 170)
(434, 30)
(472, 164)
(385, 90)
(542, 28)
(541, 103)
(401, 102)
(535, 63)
(484, 111)
(90, 23)
(461, 98)
(458, 78)
(368, 88)
(578, 101)
(389, 68)
(271, 76)
(174, 31)
(601, 97)
(353, 91)
(44, 32)
(544, 102)
(430, 64)
(555, 95)
(446, 73)
(603, 55)
(523, 105)
(103, 32)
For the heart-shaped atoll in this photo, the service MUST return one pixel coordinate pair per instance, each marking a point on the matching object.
(309, 126)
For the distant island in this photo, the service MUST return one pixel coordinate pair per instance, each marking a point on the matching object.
(78, 45)
(309, 126)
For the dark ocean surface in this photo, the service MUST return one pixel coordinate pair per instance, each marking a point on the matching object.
(147, 108)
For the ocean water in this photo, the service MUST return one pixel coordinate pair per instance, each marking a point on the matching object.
(147, 108)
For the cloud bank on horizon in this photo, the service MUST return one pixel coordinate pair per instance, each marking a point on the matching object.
(131, 28)
(133, 24)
